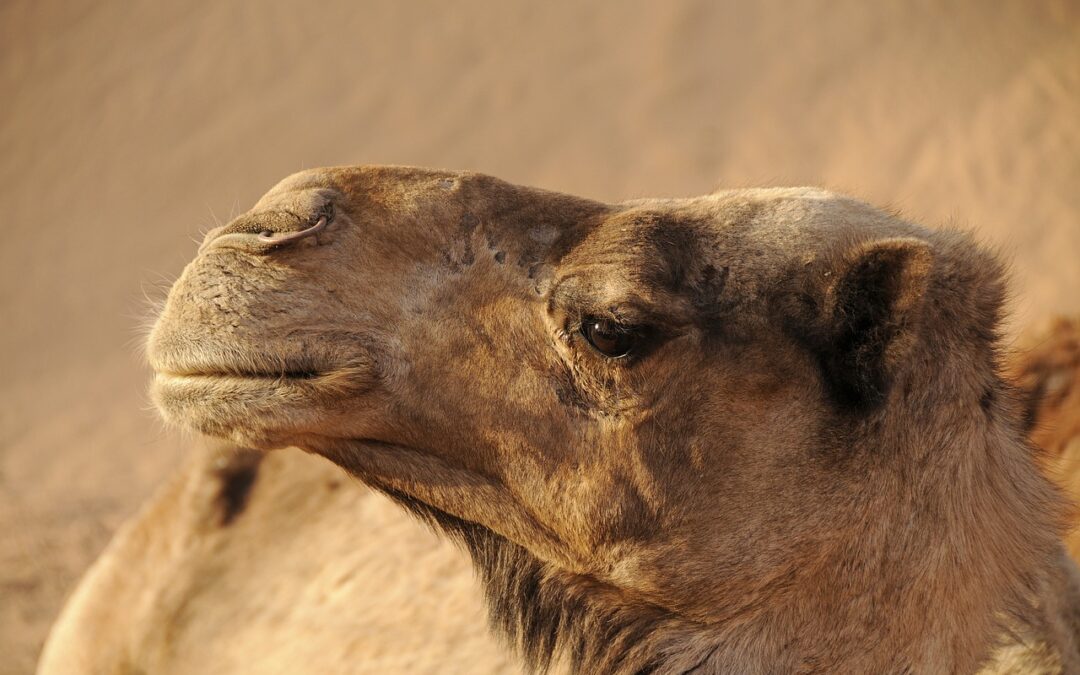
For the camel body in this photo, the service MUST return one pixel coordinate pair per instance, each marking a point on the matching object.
(181, 591)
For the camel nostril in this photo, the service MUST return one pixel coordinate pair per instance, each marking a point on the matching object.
(270, 237)
(242, 235)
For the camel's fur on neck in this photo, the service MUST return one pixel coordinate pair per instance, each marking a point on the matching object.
(808, 461)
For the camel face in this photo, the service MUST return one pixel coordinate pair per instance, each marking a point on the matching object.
(273, 340)
(664, 395)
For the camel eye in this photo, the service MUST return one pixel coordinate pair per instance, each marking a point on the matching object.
(608, 337)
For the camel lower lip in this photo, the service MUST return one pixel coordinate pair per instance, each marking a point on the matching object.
(259, 410)
(252, 400)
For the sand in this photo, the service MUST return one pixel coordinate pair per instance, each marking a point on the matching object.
(126, 128)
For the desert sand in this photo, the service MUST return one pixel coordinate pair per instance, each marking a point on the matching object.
(126, 129)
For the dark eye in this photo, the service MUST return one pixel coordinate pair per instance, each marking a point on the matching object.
(609, 338)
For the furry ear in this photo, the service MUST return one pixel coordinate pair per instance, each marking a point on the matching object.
(860, 315)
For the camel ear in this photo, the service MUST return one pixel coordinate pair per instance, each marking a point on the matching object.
(867, 310)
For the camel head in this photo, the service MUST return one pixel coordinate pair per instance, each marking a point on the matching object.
(770, 411)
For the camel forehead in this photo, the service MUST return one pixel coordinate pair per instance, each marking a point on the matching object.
(757, 228)
(763, 226)
(354, 179)
(301, 180)
(358, 182)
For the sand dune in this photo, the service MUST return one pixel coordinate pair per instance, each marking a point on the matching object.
(125, 128)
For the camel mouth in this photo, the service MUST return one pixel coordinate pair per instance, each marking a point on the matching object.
(303, 376)
(269, 366)
(258, 409)
(260, 399)
(241, 374)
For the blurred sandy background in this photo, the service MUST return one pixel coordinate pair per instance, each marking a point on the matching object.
(126, 128)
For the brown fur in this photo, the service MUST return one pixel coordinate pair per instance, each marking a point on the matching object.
(316, 575)
(301, 501)
(1047, 369)
(811, 463)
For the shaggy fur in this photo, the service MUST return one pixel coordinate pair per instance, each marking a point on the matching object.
(809, 461)
(543, 614)
(1048, 372)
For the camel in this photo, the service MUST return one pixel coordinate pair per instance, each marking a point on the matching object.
(1048, 374)
(382, 605)
(278, 563)
(755, 431)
